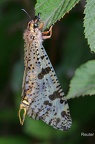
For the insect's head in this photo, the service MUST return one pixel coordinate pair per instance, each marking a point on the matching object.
(34, 23)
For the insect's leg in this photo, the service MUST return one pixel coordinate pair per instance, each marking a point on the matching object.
(41, 26)
(46, 32)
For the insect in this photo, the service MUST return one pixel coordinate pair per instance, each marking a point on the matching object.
(42, 96)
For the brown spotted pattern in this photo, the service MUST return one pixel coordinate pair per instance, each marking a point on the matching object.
(41, 86)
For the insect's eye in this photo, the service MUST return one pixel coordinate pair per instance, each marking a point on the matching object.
(35, 25)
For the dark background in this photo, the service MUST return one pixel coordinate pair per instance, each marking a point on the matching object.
(67, 50)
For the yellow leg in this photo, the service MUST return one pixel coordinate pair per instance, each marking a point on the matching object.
(46, 32)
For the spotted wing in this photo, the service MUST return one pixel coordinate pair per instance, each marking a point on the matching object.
(45, 95)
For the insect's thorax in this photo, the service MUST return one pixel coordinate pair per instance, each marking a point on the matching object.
(33, 40)
(32, 35)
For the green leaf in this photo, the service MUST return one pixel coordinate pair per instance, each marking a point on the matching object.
(52, 10)
(83, 82)
(89, 23)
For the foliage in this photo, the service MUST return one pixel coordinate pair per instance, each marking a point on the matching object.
(71, 58)
(52, 11)
(89, 23)
(83, 82)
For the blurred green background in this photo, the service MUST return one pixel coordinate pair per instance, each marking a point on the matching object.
(67, 50)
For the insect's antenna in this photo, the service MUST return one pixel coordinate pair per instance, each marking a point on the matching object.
(26, 13)
(39, 15)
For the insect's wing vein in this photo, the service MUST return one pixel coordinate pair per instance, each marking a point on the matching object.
(46, 96)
